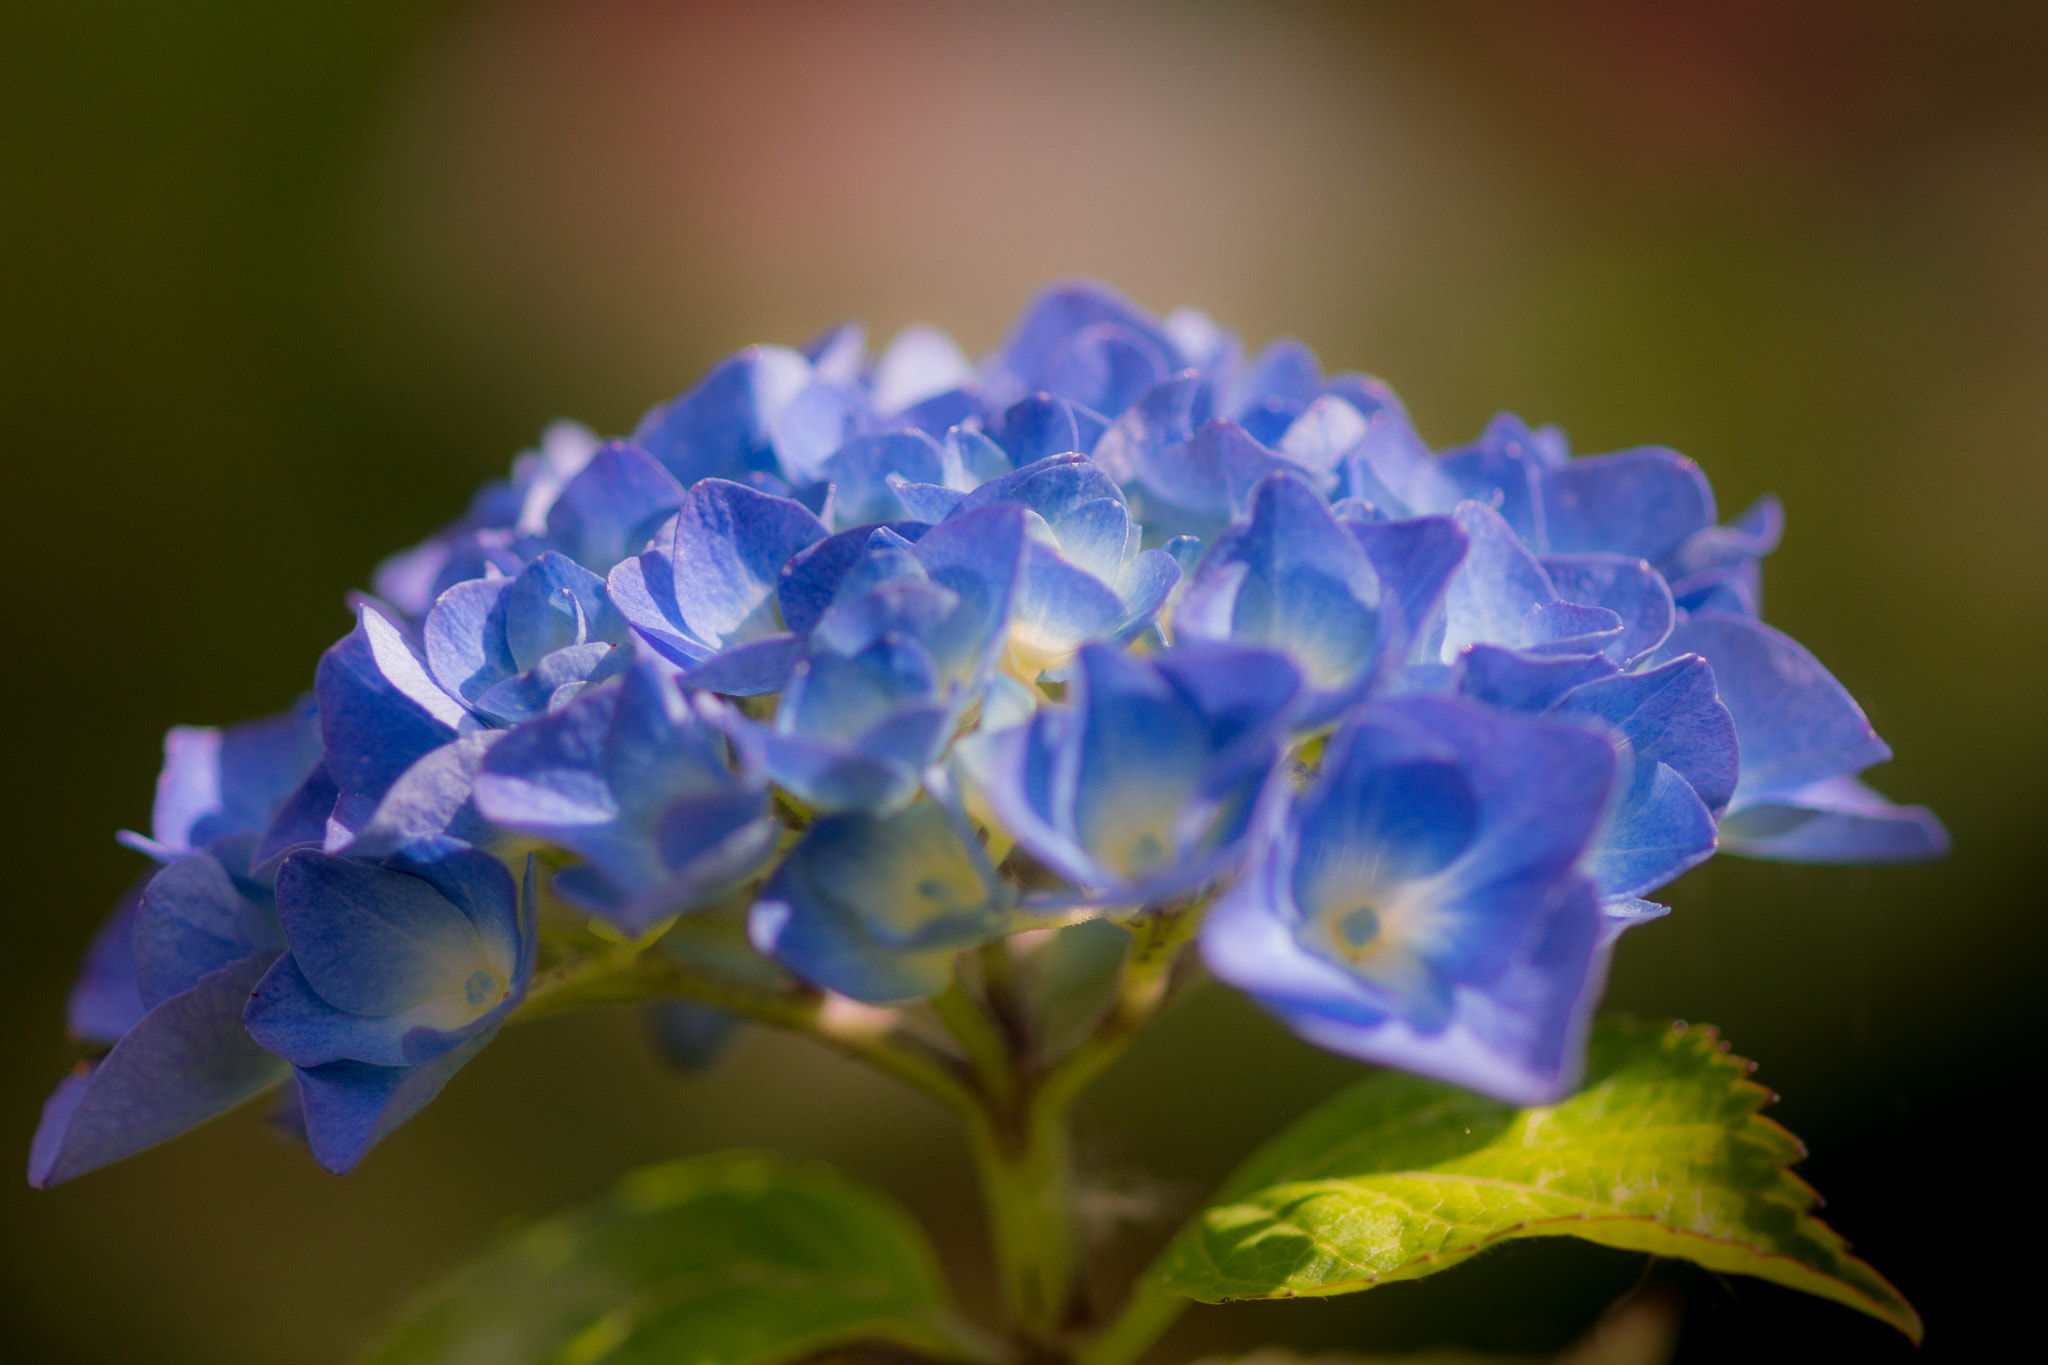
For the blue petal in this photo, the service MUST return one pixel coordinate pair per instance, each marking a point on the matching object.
(1619, 916)
(553, 604)
(814, 576)
(182, 1063)
(379, 708)
(431, 799)
(1392, 467)
(910, 606)
(287, 1016)
(876, 908)
(1415, 559)
(1059, 607)
(1517, 681)
(1167, 761)
(610, 510)
(978, 555)
(1042, 425)
(1294, 579)
(1054, 317)
(376, 941)
(1749, 537)
(220, 782)
(860, 470)
(942, 413)
(1405, 818)
(1670, 714)
(1544, 789)
(550, 776)
(1495, 587)
(837, 697)
(638, 781)
(1520, 1040)
(1567, 628)
(1627, 587)
(1203, 345)
(302, 819)
(972, 459)
(465, 638)
(753, 669)
(1079, 503)
(1155, 427)
(1200, 487)
(819, 420)
(921, 363)
(482, 888)
(837, 352)
(1644, 503)
(106, 1000)
(193, 921)
(1145, 585)
(1501, 469)
(928, 502)
(1282, 379)
(1107, 366)
(1244, 696)
(688, 1036)
(351, 1106)
(1658, 829)
(831, 776)
(1835, 820)
(722, 427)
(1795, 724)
(1323, 436)
(709, 579)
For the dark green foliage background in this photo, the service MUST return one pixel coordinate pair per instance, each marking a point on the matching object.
(218, 409)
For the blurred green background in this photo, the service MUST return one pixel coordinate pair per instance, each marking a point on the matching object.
(279, 283)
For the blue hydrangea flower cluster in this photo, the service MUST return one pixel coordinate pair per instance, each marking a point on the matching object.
(903, 653)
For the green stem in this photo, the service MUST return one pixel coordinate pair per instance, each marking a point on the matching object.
(1021, 1141)
(1016, 1109)
(1145, 1317)
(874, 1035)
(1156, 938)
(1026, 1173)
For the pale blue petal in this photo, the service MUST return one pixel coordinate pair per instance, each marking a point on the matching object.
(179, 1065)
(194, 920)
(106, 1000)
(1043, 425)
(373, 941)
(722, 427)
(1518, 681)
(1658, 829)
(920, 363)
(876, 908)
(1627, 587)
(860, 470)
(352, 1106)
(1496, 585)
(1670, 714)
(1835, 820)
(1644, 503)
(610, 510)
(1795, 724)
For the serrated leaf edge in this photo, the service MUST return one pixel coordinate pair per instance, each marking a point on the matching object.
(1795, 1274)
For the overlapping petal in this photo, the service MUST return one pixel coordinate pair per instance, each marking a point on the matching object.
(1422, 903)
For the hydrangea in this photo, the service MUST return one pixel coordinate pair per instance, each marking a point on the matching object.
(884, 658)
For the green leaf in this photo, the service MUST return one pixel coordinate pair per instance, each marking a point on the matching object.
(1663, 1151)
(735, 1259)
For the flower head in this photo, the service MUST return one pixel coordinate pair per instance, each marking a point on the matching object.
(884, 657)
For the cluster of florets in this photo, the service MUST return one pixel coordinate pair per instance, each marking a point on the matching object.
(884, 658)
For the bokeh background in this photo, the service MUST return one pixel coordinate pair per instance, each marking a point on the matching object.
(280, 283)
